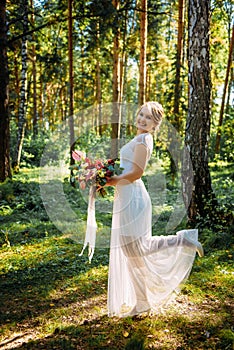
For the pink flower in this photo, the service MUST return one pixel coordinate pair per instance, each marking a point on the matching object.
(87, 160)
(98, 164)
(90, 175)
(78, 155)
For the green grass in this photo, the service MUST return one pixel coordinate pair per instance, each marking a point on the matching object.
(51, 298)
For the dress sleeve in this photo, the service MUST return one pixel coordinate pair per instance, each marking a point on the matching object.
(146, 140)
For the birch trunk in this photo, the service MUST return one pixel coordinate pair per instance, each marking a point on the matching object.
(98, 82)
(5, 169)
(34, 76)
(23, 90)
(17, 84)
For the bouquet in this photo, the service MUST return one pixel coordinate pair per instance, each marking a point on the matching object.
(94, 173)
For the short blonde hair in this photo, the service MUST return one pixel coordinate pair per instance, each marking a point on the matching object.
(156, 111)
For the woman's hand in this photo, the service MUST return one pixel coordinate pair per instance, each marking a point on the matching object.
(118, 180)
(112, 181)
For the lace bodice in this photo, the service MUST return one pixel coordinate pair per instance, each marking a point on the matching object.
(127, 151)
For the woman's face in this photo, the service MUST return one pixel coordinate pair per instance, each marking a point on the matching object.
(144, 120)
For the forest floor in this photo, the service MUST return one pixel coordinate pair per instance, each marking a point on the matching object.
(52, 298)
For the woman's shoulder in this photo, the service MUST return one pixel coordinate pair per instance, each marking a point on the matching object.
(145, 139)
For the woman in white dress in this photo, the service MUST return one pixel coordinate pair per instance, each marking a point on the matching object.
(144, 270)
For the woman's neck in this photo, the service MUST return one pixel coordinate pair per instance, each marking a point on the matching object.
(139, 132)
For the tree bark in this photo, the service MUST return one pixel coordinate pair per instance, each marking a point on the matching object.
(230, 85)
(34, 76)
(143, 40)
(82, 75)
(98, 82)
(23, 89)
(17, 85)
(115, 118)
(218, 136)
(71, 80)
(198, 119)
(5, 169)
(177, 91)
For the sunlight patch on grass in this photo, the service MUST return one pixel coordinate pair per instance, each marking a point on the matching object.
(211, 279)
(29, 255)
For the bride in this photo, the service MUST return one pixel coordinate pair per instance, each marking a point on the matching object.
(144, 270)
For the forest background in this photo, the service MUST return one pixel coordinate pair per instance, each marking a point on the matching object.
(61, 61)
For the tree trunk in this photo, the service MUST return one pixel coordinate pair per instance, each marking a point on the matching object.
(34, 76)
(99, 96)
(17, 84)
(177, 91)
(82, 75)
(143, 38)
(218, 136)
(41, 93)
(5, 169)
(230, 85)
(115, 118)
(198, 120)
(23, 89)
(98, 82)
(71, 81)
(123, 77)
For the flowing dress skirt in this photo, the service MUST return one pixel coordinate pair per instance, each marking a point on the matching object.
(144, 270)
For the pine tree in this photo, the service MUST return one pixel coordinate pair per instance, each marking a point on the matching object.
(198, 120)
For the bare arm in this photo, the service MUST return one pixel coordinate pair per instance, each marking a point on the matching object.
(139, 164)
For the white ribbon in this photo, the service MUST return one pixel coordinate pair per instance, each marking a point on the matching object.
(90, 236)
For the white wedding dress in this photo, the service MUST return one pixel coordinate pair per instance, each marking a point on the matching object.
(144, 270)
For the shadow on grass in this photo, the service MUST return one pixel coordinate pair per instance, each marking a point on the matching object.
(139, 333)
(27, 292)
(27, 282)
(99, 333)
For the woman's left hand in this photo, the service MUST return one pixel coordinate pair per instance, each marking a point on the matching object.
(112, 181)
